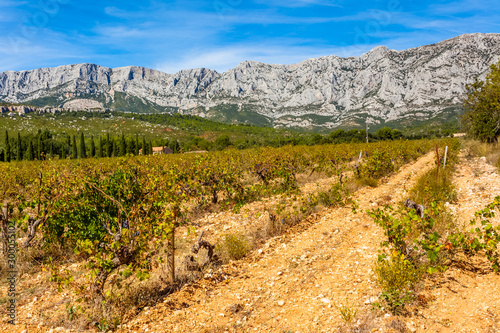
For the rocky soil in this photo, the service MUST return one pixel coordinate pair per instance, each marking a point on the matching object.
(294, 282)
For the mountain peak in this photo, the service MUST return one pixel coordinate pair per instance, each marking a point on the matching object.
(381, 85)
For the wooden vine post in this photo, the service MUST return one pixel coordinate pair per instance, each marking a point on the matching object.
(171, 257)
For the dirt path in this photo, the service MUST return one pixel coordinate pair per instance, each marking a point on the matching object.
(293, 282)
(464, 301)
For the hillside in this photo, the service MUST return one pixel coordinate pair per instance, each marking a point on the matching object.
(382, 85)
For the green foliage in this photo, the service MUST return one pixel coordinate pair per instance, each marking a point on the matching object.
(92, 147)
(379, 164)
(482, 117)
(83, 150)
(19, 155)
(484, 237)
(74, 151)
(396, 277)
(222, 142)
(410, 235)
(7, 147)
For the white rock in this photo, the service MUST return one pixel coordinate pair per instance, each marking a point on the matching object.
(385, 84)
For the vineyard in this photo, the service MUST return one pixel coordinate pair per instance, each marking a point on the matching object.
(131, 227)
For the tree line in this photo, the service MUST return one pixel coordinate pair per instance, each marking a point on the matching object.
(43, 145)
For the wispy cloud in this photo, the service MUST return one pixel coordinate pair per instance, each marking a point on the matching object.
(301, 3)
(277, 52)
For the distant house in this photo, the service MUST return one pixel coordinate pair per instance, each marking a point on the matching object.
(159, 150)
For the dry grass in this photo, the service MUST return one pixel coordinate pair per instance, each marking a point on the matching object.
(434, 187)
(491, 151)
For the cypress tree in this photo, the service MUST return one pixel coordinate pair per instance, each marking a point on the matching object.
(109, 146)
(83, 149)
(144, 152)
(99, 151)
(31, 157)
(40, 148)
(2, 155)
(123, 146)
(136, 152)
(19, 148)
(51, 149)
(92, 146)
(150, 148)
(63, 152)
(130, 146)
(115, 149)
(74, 152)
(7, 147)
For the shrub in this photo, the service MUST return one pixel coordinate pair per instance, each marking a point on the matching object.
(348, 311)
(232, 246)
(397, 278)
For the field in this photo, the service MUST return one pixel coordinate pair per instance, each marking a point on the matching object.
(290, 239)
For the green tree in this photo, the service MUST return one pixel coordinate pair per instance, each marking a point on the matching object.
(19, 147)
(109, 146)
(136, 152)
(396, 134)
(114, 148)
(30, 153)
(384, 133)
(39, 147)
(482, 117)
(51, 149)
(99, 150)
(63, 152)
(222, 142)
(92, 146)
(176, 147)
(7, 148)
(123, 146)
(83, 149)
(144, 150)
(74, 152)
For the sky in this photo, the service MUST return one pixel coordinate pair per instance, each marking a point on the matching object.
(218, 34)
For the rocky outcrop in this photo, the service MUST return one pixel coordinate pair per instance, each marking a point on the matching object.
(24, 109)
(380, 85)
(83, 104)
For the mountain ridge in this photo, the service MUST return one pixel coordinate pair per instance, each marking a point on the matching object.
(380, 85)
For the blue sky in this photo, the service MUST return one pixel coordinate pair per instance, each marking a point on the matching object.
(219, 34)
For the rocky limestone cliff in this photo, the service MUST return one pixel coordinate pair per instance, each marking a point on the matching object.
(380, 85)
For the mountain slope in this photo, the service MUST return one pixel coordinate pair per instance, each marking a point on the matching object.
(381, 85)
